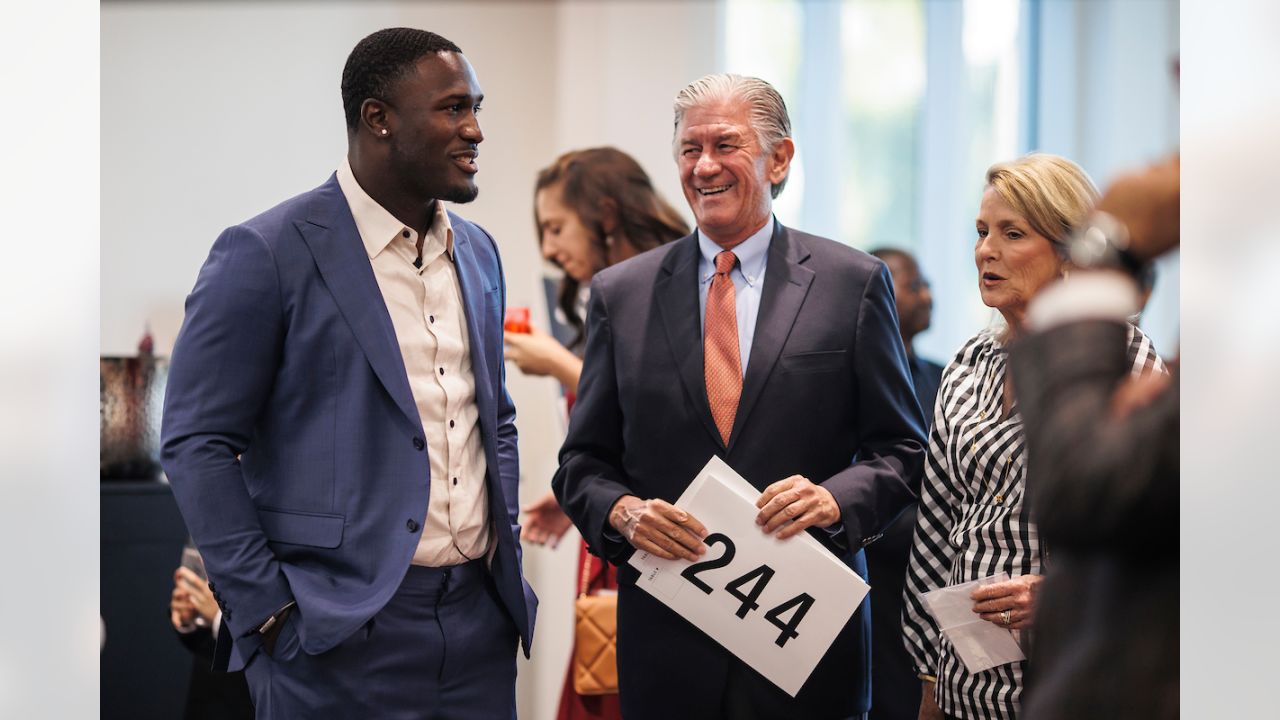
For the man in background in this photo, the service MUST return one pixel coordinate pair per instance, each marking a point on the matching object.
(895, 689)
(337, 428)
(914, 301)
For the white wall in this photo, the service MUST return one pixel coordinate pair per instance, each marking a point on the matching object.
(213, 112)
(621, 64)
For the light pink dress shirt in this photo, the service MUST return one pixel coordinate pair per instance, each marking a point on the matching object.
(427, 313)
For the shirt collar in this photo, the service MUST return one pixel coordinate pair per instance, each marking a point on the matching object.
(378, 227)
(752, 254)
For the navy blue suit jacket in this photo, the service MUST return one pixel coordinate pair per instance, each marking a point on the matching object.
(826, 383)
(292, 439)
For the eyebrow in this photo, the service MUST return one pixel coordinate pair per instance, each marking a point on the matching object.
(462, 97)
(726, 135)
(1000, 223)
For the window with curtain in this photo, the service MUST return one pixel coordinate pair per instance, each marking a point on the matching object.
(898, 108)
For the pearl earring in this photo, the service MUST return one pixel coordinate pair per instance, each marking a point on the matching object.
(384, 131)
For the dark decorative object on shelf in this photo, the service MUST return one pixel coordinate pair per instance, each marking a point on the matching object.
(132, 396)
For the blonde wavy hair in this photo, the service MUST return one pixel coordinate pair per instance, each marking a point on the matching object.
(1054, 194)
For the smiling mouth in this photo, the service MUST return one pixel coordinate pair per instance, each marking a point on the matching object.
(713, 190)
(466, 160)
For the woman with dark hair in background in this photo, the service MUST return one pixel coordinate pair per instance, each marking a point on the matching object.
(972, 522)
(593, 208)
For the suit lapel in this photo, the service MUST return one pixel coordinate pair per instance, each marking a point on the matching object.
(677, 291)
(786, 283)
(331, 235)
(472, 284)
(473, 291)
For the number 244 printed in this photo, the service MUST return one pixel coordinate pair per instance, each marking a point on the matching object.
(757, 580)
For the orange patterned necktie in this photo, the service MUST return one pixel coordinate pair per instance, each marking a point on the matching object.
(722, 366)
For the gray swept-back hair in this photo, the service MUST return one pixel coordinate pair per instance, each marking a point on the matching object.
(766, 109)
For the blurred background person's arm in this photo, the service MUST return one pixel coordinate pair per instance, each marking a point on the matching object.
(195, 616)
(1102, 422)
(196, 595)
(538, 353)
(1103, 433)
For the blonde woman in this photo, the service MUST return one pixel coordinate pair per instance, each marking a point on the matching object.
(972, 522)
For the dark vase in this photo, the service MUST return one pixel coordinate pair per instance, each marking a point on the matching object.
(132, 399)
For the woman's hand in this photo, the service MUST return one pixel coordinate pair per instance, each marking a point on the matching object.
(197, 592)
(537, 353)
(1009, 604)
(182, 614)
(929, 709)
(544, 522)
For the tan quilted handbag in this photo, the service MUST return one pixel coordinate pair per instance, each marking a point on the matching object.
(595, 646)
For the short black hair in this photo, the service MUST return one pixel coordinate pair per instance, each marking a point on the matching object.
(379, 60)
(888, 253)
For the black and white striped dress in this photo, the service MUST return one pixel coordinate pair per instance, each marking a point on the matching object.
(972, 523)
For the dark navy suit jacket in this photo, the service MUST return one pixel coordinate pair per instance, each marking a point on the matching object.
(895, 689)
(290, 434)
(826, 383)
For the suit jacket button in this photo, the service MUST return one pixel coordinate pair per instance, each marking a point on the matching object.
(418, 444)
(411, 525)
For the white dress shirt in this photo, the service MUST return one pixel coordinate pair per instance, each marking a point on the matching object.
(426, 311)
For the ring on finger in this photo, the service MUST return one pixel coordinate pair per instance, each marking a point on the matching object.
(1004, 617)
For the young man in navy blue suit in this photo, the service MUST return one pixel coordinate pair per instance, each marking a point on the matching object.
(337, 428)
(773, 349)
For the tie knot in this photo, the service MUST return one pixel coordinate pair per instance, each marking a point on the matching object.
(725, 262)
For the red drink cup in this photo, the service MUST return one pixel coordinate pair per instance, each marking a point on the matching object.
(517, 320)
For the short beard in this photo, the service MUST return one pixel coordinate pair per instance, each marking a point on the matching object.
(406, 169)
(461, 194)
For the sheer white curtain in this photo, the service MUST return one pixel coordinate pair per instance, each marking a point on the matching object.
(899, 108)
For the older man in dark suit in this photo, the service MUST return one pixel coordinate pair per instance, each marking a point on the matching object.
(773, 349)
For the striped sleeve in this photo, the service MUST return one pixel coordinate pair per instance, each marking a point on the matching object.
(1143, 358)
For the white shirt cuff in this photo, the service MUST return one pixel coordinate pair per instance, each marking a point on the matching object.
(1084, 296)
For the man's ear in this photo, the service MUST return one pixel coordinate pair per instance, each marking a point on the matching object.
(780, 159)
(376, 117)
